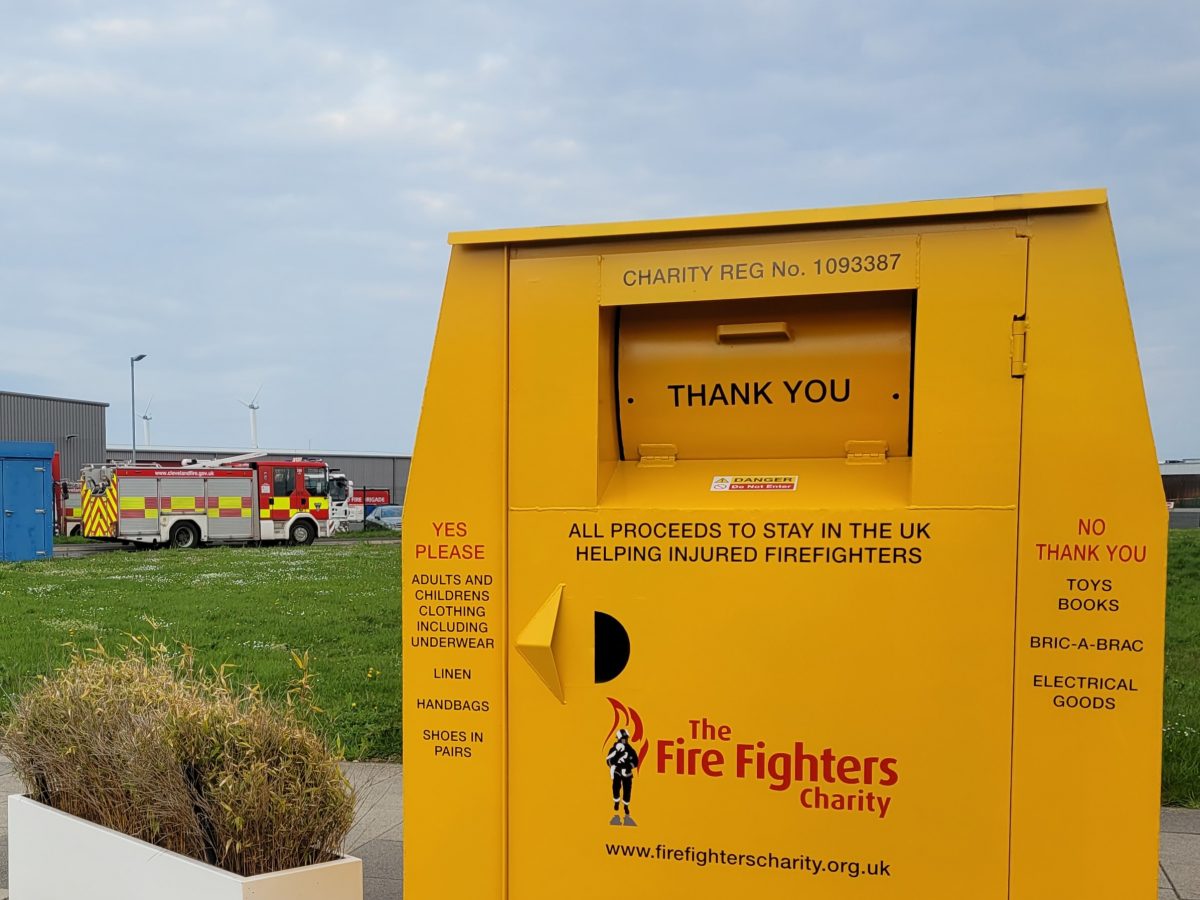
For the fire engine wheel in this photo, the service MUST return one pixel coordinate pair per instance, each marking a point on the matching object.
(185, 536)
(303, 533)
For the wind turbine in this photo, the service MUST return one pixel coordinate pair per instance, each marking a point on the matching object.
(253, 407)
(146, 417)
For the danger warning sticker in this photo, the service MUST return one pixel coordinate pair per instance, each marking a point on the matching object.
(754, 482)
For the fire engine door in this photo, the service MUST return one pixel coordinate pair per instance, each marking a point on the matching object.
(315, 481)
(289, 493)
(812, 654)
(301, 497)
(280, 491)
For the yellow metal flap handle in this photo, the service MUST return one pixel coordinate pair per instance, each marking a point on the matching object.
(866, 452)
(656, 455)
(753, 331)
(536, 643)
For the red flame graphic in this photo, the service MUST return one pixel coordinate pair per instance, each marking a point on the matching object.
(627, 717)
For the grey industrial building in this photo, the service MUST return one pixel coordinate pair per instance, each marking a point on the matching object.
(1181, 484)
(74, 427)
(77, 430)
(372, 471)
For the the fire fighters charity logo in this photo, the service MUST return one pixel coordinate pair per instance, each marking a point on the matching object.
(625, 753)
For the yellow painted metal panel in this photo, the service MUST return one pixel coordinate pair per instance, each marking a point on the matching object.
(768, 270)
(454, 597)
(921, 209)
(835, 656)
(966, 404)
(554, 457)
(820, 484)
(1092, 561)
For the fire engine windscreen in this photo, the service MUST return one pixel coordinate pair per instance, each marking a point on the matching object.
(316, 482)
(339, 489)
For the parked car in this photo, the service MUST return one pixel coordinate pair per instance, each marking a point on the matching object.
(385, 517)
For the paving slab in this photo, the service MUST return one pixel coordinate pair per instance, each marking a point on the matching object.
(380, 810)
(382, 889)
(1180, 856)
(383, 869)
(9, 784)
(1166, 891)
(383, 859)
(1180, 821)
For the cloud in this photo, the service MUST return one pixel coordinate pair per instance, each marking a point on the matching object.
(49, 154)
(261, 191)
(110, 30)
(177, 23)
(63, 82)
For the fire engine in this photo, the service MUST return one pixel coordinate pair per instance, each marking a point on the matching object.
(196, 502)
(68, 502)
(70, 519)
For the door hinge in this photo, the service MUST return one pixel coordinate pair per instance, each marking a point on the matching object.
(1019, 329)
(656, 455)
(866, 452)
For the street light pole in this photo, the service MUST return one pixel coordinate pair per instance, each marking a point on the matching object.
(133, 407)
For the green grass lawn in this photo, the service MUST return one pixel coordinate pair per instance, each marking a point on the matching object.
(1181, 703)
(367, 534)
(250, 607)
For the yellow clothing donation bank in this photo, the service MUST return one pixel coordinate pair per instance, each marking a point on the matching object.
(799, 554)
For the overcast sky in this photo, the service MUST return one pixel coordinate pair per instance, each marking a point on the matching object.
(259, 192)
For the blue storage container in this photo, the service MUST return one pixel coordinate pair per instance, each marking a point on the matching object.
(26, 501)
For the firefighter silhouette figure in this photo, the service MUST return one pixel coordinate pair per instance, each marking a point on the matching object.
(622, 759)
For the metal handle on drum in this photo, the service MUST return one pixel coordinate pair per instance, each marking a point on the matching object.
(753, 331)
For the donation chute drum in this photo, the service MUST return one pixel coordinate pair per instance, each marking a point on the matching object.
(812, 553)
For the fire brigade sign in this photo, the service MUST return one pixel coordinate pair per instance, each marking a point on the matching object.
(756, 565)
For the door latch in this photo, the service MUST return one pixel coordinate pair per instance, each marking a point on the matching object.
(1019, 329)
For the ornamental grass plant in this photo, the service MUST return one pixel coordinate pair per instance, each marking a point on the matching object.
(146, 742)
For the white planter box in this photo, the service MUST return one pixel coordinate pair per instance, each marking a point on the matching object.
(53, 856)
